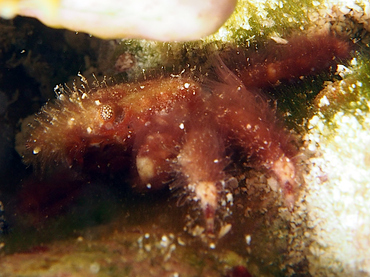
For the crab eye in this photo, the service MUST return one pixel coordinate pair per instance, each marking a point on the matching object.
(106, 112)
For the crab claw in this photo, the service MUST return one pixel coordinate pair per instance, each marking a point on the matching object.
(201, 162)
(285, 172)
(206, 194)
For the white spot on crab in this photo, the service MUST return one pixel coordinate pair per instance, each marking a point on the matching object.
(89, 130)
(71, 121)
(248, 239)
(229, 197)
(273, 184)
(224, 230)
(36, 150)
(145, 168)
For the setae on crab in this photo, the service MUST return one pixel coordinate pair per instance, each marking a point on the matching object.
(178, 133)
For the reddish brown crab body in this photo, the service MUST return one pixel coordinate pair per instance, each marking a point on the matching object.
(173, 131)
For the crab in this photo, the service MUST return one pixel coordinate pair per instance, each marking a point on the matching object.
(180, 132)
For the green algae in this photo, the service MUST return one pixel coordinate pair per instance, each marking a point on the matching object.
(260, 19)
(252, 22)
(349, 96)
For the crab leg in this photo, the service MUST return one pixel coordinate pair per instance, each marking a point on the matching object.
(201, 162)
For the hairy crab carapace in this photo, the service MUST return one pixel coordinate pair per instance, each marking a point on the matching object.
(179, 133)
